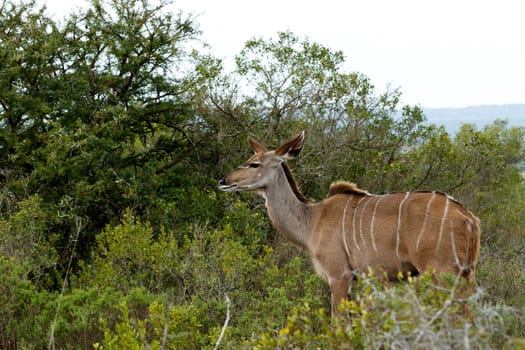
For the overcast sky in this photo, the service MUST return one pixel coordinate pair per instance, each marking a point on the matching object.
(447, 53)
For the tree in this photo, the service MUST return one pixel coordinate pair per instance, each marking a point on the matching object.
(286, 84)
(95, 112)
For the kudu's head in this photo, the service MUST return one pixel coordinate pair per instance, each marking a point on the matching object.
(263, 167)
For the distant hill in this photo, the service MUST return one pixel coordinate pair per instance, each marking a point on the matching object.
(452, 118)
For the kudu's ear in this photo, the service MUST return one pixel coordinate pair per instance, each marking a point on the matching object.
(292, 147)
(257, 146)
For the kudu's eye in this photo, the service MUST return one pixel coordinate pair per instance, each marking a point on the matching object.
(254, 165)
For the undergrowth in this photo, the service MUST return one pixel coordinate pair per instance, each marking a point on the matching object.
(418, 314)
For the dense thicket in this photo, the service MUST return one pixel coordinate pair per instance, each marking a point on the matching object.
(114, 128)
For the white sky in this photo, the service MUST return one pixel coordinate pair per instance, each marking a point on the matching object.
(447, 53)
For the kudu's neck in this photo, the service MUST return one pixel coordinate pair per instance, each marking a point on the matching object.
(288, 210)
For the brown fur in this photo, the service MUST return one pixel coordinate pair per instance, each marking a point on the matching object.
(343, 187)
(352, 231)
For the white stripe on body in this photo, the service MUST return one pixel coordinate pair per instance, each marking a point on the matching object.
(361, 221)
(425, 221)
(344, 230)
(398, 231)
(453, 242)
(443, 219)
(353, 223)
(372, 233)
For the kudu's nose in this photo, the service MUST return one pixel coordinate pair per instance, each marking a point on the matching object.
(222, 182)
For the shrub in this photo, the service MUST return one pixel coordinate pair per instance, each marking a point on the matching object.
(419, 314)
(20, 305)
(130, 256)
(25, 235)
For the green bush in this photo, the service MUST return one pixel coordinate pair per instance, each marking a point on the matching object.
(26, 235)
(131, 255)
(416, 314)
(21, 304)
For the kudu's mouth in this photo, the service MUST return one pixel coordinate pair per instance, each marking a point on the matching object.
(236, 187)
(226, 188)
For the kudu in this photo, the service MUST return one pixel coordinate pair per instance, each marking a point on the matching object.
(352, 230)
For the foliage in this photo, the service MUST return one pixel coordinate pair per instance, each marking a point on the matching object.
(92, 108)
(25, 237)
(419, 314)
(114, 129)
(129, 257)
(20, 303)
